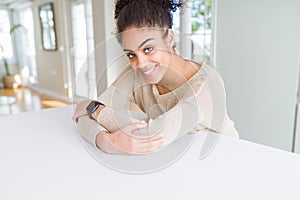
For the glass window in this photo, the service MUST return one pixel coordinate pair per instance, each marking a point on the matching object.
(201, 26)
(26, 53)
(6, 50)
(48, 27)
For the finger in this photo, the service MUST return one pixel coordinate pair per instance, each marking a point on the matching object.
(137, 141)
(139, 125)
(138, 145)
(145, 139)
(150, 145)
(149, 138)
(135, 126)
(147, 148)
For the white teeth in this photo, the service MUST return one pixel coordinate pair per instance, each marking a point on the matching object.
(149, 71)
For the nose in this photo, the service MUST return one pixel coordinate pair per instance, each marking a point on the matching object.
(142, 60)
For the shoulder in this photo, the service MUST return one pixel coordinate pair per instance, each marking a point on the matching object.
(206, 75)
(130, 80)
(126, 74)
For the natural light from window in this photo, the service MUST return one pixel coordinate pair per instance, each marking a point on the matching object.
(5, 39)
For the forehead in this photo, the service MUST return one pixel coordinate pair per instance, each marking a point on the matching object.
(133, 37)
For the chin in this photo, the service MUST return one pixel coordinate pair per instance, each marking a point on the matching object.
(152, 81)
(156, 79)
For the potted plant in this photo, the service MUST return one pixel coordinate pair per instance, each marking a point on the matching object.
(10, 80)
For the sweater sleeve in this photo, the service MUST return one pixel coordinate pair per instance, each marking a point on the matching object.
(204, 103)
(179, 120)
(89, 129)
(118, 95)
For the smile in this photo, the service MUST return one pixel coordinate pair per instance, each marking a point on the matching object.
(149, 71)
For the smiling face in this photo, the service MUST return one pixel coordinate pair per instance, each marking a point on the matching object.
(149, 51)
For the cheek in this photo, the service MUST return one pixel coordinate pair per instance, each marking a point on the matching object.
(133, 63)
(161, 57)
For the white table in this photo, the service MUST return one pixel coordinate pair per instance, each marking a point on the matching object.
(42, 157)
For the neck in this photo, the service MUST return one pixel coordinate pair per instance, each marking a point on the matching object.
(179, 72)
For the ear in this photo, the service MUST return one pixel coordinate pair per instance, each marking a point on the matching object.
(171, 38)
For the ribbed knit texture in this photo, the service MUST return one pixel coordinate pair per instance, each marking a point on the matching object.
(188, 109)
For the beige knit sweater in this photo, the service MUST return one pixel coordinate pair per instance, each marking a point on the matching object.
(197, 105)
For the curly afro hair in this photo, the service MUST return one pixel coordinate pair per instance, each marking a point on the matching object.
(141, 13)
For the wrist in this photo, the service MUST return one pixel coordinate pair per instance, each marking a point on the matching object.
(106, 142)
(97, 111)
(100, 140)
(93, 107)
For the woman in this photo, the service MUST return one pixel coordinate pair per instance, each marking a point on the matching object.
(178, 96)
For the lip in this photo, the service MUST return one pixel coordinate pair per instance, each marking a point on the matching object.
(149, 71)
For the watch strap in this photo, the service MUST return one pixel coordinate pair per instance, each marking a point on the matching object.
(92, 107)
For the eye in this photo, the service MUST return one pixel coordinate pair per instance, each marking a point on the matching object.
(148, 49)
(131, 56)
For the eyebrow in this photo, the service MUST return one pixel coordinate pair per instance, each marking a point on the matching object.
(140, 44)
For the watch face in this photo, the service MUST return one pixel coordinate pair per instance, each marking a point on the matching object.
(92, 106)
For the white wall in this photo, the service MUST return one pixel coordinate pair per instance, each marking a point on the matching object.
(297, 135)
(257, 51)
(115, 55)
(109, 59)
(51, 65)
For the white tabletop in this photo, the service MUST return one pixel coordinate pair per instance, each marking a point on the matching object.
(42, 157)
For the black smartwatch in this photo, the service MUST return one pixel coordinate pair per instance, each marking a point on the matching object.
(92, 107)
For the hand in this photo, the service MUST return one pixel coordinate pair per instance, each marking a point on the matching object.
(80, 109)
(124, 142)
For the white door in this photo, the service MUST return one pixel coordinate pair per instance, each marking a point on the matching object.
(257, 52)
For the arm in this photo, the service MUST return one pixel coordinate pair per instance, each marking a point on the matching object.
(88, 128)
(204, 103)
(120, 141)
(179, 120)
